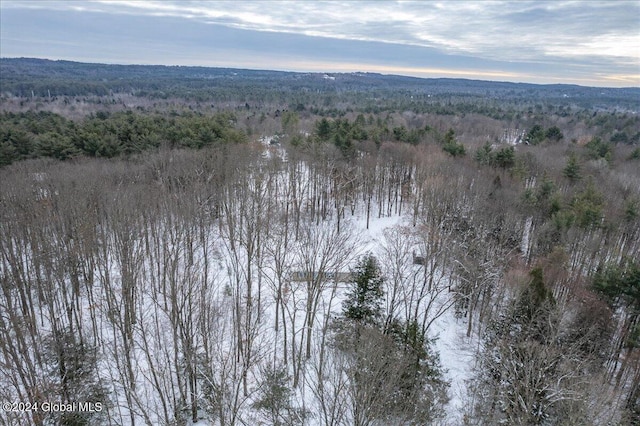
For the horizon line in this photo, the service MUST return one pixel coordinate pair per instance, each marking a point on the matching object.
(459, 75)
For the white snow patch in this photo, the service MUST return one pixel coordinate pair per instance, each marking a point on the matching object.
(457, 354)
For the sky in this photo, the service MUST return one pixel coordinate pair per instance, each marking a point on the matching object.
(591, 43)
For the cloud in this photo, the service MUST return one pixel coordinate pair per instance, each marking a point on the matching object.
(492, 29)
(528, 39)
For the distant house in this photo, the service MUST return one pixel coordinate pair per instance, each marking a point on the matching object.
(418, 260)
(301, 276)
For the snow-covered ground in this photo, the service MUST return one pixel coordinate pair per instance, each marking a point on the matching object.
(457, 351)
(457, 354)
(178, 296)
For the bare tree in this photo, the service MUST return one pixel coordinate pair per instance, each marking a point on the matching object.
(321, 251)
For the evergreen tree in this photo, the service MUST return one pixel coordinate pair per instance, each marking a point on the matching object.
(532, 371)
(450, 136)
(554, 134)
(572, 169)
(534, 306)
(506, 157)
(451, 145)
(395, 377)
(73, 370)
(323, 129)
(597, 149)
(484, 154)
(274, 400)
(587, 207)
(364, 301)
(620, 284)
(535, 135)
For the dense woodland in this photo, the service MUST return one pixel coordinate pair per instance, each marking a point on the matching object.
(213, 246)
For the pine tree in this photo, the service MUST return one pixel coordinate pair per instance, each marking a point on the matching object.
(394, 376)
(534, 306)
(506, 157)
(554, 134)
(323, 129)
(535, 135)
(484, 154)
(572, 169)
(364, 301)
(275, 399)
(452, 146)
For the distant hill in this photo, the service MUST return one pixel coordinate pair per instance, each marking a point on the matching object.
(41, 77)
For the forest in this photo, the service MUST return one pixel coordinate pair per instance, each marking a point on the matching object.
(202, 246)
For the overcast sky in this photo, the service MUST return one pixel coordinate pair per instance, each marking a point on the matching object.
(595, 43)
